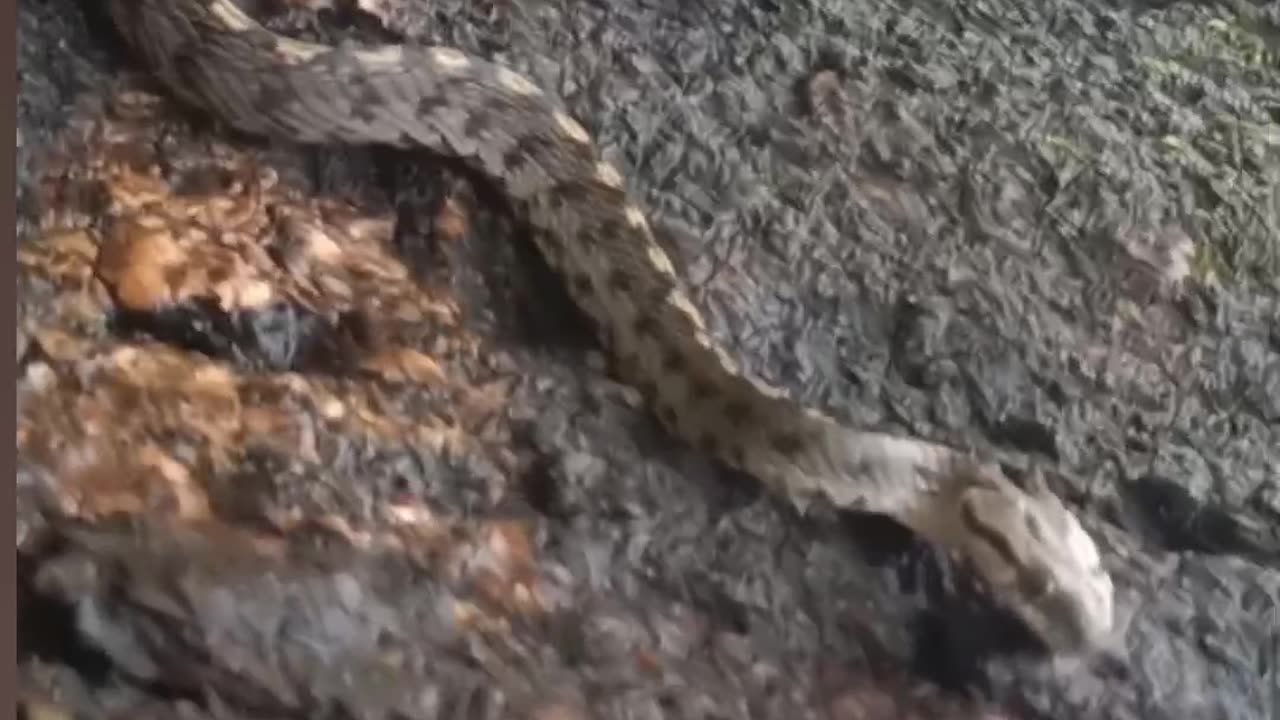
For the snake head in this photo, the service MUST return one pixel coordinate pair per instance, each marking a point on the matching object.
(1025, 545)
(1034, 555)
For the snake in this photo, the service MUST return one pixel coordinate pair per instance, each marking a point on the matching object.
(1028, 551)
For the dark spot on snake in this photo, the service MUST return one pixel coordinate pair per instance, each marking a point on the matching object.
(476, 125)
(786, 443)
(628, 365)
(673, 361)
(272, 94)
(612, 229)
(737, 455)
(428, 105)
(997, 540)
(620, 281)
(667, 414)
(529, 147)
(701, 390)
(565, 193)
(648, 389)
(368, 103)
(582, 284)
(709, 443)
(737, 412)
(646, 325)
(176, 275)
(365, 113)
(217, 275)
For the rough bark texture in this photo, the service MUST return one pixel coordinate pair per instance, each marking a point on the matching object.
(943, 236)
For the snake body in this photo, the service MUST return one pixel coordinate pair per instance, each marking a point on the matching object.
(1031, 551)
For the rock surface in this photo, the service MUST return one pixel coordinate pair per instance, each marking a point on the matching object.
(369, 460)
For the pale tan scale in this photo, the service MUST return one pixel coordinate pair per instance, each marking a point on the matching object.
(517, 83)
(231, 17)
(635, 217)
(571, 128)
(682, 304)
(449, 58)
(659, 260)
(777, 393)
(297, 53)
(608, 175)
(1041, 563)
(386, 57)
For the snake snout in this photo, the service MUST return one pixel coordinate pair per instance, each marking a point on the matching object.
(1040, 562)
